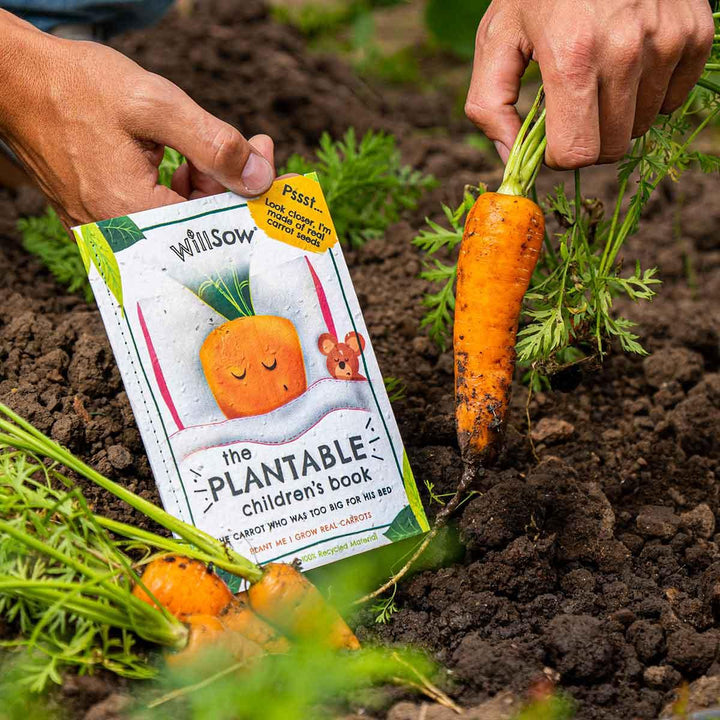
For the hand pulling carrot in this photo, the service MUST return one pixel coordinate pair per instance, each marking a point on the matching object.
(504, 231)
(501, 244)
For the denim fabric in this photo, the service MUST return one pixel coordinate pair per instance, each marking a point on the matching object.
(107, 17)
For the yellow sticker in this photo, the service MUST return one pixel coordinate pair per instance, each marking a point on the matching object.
(294, 211)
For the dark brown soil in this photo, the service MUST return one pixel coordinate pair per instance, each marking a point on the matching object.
(596, 562)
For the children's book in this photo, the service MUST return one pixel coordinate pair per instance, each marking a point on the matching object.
(252, 376)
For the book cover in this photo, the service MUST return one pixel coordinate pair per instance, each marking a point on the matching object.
(252, 376)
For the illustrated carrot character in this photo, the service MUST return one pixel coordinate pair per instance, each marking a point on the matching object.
(252, 363)
(501, 244)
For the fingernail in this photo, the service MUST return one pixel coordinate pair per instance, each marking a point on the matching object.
(502, 150)
(257, 175)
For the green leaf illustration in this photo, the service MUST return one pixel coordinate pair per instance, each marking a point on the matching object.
(83, 248)
(120, 232)
(104, 260)
(413, 495)
(403, 526)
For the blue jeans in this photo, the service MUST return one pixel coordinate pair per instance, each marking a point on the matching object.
(106, 16)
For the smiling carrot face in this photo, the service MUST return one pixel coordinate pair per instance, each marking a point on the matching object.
(253, 365)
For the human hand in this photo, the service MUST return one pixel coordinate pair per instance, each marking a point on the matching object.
(608, 69)
(90, 126)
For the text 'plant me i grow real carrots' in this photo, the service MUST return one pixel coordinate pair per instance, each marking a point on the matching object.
(501, 244)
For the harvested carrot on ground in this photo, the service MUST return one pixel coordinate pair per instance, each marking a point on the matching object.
(288, 600)
(278, 593)
(238, 617)
(183, 586)
(501, 244)
(206, 633)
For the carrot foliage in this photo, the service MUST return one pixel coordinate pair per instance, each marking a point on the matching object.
(65, 584)
(366, 186)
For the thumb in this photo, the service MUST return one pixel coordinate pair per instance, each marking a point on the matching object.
(214, 147)
(495, 85)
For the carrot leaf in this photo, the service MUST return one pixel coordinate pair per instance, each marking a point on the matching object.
(365, 183)
(45, 237)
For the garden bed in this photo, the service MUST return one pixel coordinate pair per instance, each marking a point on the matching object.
(592, 560)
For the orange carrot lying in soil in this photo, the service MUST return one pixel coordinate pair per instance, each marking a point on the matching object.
(239, 617)
(207, 632)
(186, 588)
(283, 597)
(290, 602)
(183, 586)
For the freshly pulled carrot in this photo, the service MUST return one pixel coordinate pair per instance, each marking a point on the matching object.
(207, 633)
(237, 616)
(183, 586)
(500, 248)
(290, 602)
(501, 244)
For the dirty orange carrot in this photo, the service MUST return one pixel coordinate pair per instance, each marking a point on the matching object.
(290, 602)
(183, 586)
(501, 243)
(238, 617)
(500, 247)
(207, 632)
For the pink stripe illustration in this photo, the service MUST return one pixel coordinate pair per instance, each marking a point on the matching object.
(159, 377)
(322, 299)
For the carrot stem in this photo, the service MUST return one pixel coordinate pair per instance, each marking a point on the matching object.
(709, 85)
(152, 626)
(527, 152)
(162, 543)
(133, 604)
(615, 243)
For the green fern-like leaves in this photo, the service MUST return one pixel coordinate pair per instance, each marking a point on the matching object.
(432, 239)
(366, 186)
(46, 238)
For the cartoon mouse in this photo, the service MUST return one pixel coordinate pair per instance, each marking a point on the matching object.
(343, 358)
